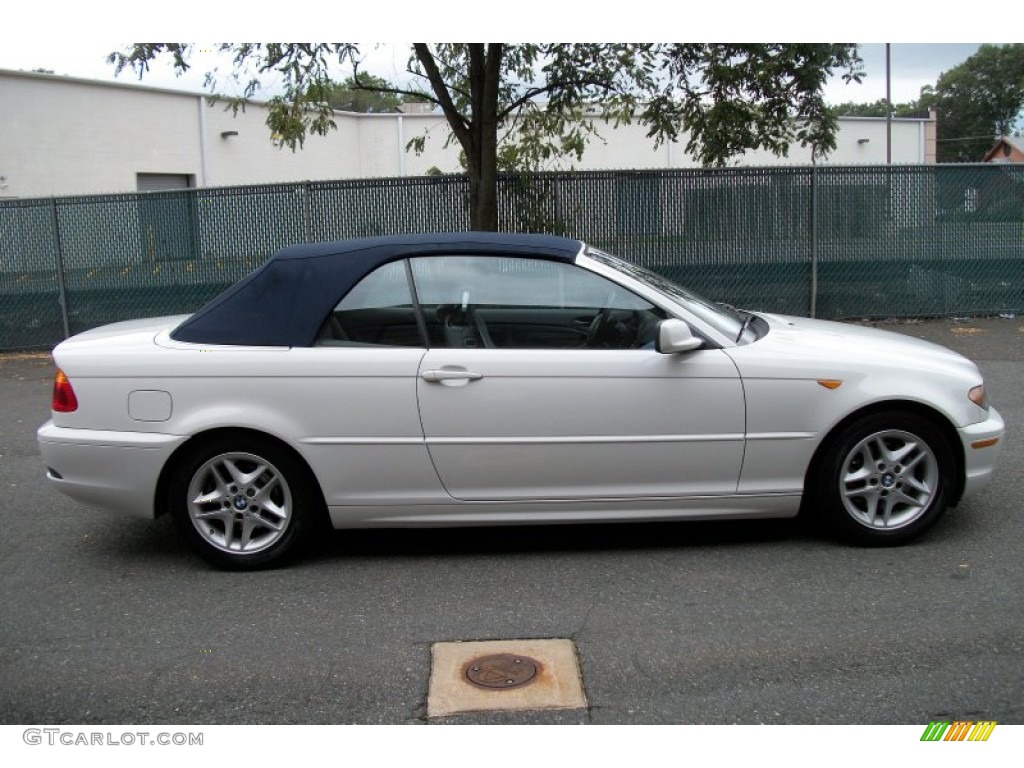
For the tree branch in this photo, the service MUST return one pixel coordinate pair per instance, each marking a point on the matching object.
(554, 86)
(421, 95)
(458, 123)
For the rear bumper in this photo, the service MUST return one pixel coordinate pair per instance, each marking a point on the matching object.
(979, 458)
(112, 470)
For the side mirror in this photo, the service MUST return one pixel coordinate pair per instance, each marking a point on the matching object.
(675, 336)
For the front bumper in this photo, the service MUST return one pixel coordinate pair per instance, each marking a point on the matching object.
(112, 470)
(980, 457)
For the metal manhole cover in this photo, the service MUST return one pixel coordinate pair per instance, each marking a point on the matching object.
(501, 671)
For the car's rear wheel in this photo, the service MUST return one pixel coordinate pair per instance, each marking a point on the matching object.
(243, 502)
(885, 479)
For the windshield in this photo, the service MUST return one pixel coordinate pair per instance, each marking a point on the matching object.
(722, 317)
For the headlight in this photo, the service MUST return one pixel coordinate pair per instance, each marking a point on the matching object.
(978, 397)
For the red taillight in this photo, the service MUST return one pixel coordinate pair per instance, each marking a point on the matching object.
(64, 400)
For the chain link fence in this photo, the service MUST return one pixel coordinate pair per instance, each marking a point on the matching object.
(831, 242)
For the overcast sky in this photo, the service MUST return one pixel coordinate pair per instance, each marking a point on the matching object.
(74, 38)
(912, 64)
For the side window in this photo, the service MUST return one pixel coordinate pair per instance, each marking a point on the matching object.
(377, 311)
(512, 303)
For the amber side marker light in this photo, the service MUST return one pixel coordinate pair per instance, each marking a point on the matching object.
(64, 400)
(985, 443)
(830, 383)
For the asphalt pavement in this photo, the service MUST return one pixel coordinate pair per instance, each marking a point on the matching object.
(110, 620)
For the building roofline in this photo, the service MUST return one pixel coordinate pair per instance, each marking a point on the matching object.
(1016, 142)
(101, 83)
(140, 87)
(863, 118)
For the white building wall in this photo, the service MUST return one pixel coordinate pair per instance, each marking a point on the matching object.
(253, 157)
(79, 138)
(435, 154)
(65, 136)
(629, 147)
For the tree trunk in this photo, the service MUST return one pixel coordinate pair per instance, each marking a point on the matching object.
(484, 75)
(483, 206)
(477, 132)
(483, 184)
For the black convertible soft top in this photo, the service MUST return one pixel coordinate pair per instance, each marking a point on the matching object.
(283, 303)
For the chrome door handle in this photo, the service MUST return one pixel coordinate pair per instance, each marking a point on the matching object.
(448, 374)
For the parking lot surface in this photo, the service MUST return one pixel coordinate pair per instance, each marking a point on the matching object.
(112, 620)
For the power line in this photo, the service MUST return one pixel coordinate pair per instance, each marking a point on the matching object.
(969, 138)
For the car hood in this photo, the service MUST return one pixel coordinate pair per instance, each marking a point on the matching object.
(826, 344)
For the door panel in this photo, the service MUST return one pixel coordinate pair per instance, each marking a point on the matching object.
(575, 424)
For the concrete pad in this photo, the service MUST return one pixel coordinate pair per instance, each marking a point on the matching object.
(557, 684)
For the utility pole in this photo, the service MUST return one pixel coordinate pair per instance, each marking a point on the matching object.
(888, 109)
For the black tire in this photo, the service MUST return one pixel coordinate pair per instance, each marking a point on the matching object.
(883, 480)
(243, 502)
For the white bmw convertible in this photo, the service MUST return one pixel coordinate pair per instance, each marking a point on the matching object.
(479, 379)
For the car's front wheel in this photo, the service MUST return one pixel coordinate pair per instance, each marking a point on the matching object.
(885, 479)
(242, 502)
